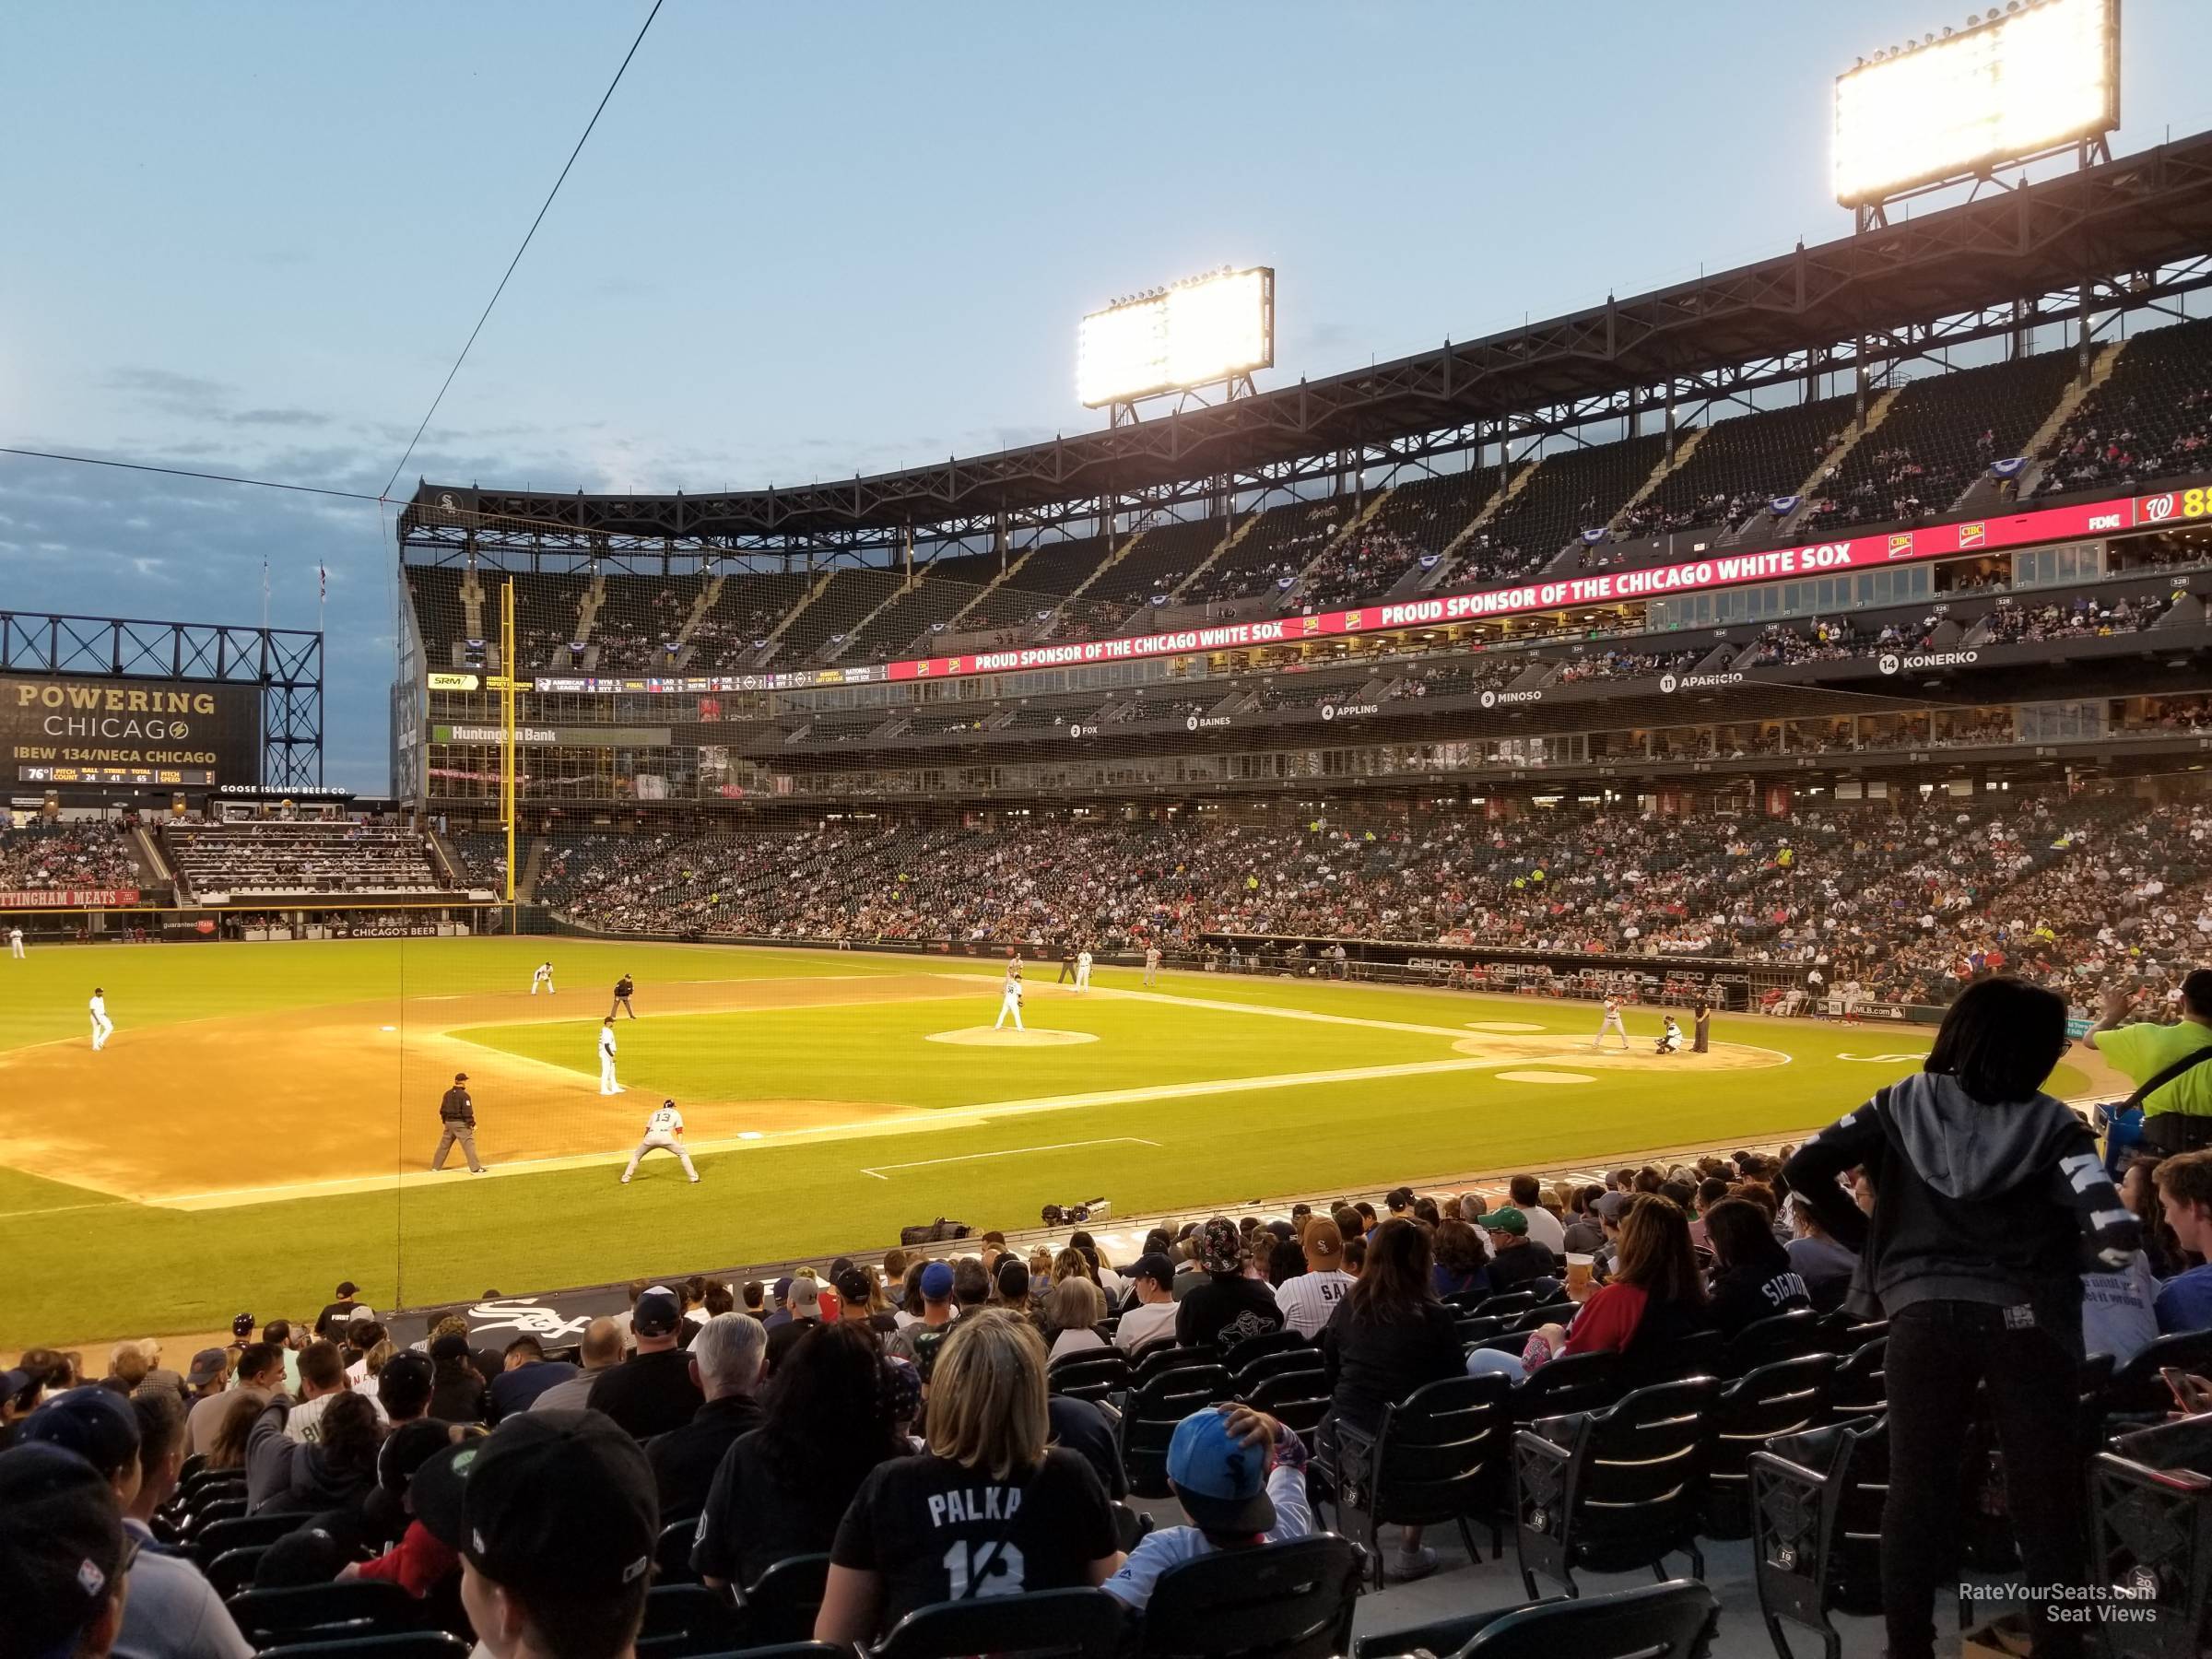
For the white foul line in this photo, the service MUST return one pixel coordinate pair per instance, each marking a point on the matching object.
(923, 1163)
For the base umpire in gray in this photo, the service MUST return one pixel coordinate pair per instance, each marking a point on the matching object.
(459, 1114)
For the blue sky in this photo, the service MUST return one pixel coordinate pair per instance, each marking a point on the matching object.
(804, 240)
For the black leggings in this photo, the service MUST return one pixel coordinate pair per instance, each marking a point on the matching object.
(1938, 1351)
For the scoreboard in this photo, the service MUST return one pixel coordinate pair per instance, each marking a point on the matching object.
(110, 732)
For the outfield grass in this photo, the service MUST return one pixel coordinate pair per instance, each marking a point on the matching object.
(80, 1265)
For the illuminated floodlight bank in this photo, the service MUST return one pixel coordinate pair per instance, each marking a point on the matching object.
(2023, 83)
(1209, 328)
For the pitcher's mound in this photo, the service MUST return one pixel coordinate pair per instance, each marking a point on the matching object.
(1006, 1037)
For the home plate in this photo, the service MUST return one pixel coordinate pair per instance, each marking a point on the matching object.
(1545, 1077)
(1502, 1025)
(1005, 1037)
(749, 1135)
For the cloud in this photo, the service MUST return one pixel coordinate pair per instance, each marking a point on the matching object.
(278, 418)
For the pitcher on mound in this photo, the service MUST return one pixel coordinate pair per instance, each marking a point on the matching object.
(1009, 995)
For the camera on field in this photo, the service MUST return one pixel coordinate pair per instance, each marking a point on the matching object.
(1077, 1215)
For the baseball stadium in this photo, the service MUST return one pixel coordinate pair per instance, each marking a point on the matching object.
(1516, 787)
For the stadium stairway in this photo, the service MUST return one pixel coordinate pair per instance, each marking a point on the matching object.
(1294, 597)
(1684, 449)
(1220, 549)
(830, 649)
(1004, 579)
(1764, 524)
(1082, 589)
(775, 635)
(1988, 492)
(1423, 580)
(153, 869)
(710, 596)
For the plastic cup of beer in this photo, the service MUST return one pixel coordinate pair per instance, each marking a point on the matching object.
(1578, 1276)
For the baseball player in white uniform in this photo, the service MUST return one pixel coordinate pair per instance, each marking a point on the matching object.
(664, 1129)
(1613, 1023)
(15, 943)
(1009, 995)
(1151, 964)
(1670, 1040)
(102, 1027)
(543, 976)
(1083, 969)
(607, 1086)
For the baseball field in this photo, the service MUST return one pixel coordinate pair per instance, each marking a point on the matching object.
(260, 1123)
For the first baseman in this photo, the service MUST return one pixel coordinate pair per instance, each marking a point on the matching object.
(102, 1027)
(664, 1129)
(607, 1086)
(543, 976)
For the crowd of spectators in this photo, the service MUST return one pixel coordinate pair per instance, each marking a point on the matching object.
(42, 856)
(903, 1417)
(1908, 907)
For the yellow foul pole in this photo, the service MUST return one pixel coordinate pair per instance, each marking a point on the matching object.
(507, 728)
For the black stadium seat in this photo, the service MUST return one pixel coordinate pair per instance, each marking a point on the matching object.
(1673, 1620)
(1439, 1455)
(1292, 1600)
(323, 1613)
(1043, 1624)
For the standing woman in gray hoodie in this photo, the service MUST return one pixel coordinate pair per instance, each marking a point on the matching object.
(1990, 1203)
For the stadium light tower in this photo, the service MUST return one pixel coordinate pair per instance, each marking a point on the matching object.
(2017, 83)
(1208, 331)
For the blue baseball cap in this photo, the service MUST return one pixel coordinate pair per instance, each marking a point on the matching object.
(1220, 1481)
(98, 1424)
(936, 1281)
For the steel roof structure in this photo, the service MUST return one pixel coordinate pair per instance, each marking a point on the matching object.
(2117, 236)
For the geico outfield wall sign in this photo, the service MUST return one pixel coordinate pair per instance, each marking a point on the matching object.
(70, 720)
(556, 736)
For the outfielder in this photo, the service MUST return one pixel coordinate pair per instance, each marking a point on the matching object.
(102, 1027)
(458, 1113)
(607, 1086)
(664, 1129)
(543, 976)
(1151, 964)
(1083, 969)
(623, 987)
(15, 943)
(1613, 1023)
(1009, 995)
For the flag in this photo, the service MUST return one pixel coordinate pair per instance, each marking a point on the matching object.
(322, 585)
